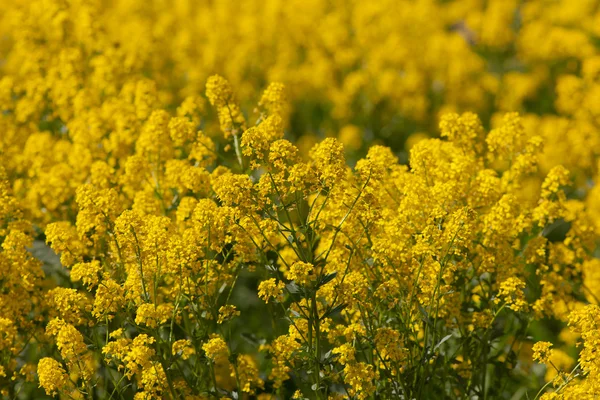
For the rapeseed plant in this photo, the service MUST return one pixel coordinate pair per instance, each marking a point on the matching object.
(159, 245)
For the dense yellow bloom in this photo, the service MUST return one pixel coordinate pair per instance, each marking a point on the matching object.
(389, 345)
(270, 288)
(153, 382)
(70, 343)
(135, 356)
(133, 215)
(216, 349)
(248, 374)
(464, 130)
(86, 272)
(257, 141)
(109, 299)
(183, 347)
(511, 293)
(63, 238)
(282, 349)
(360, 376)
(52, 375)
(301, 272)
(8, 333)
(220, 95)
(583, 321)
(345, 352)
(227, 312)
(233, 189)
(70, 304)
(542, 352)
(329, 160)
(152, 316)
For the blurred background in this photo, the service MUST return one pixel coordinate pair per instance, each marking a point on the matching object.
(366, 72)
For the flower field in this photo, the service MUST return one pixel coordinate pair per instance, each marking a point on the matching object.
(299, 199)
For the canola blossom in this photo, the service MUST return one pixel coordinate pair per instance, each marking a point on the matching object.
(221, 200)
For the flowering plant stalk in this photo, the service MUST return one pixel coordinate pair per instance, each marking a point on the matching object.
(161, 239)
(268, 274)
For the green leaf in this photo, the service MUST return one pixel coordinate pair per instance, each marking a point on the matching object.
(334, 310)
(445, 338)
(293, 288)
(326, 279)
(425, 318)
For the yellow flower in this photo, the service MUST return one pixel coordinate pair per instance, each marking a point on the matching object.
(109, 299)
(329, 160)
(248, 374)
(183, 346)
(152, 315)
(181, 131)
(301, 272)
(86, 272)
(542, 352)
(216, 349)
(52, 375)
(360, 378)
(233, 189)
(345, 353)
(274, 99)
(270, 288)
(227, 312)
(511, 293)
(220, 95)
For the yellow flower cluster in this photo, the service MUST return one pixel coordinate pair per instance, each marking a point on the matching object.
(184, 347)
(216, 349)
(542, 352)
(52, 376)
(161, 239)
(453, 236)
